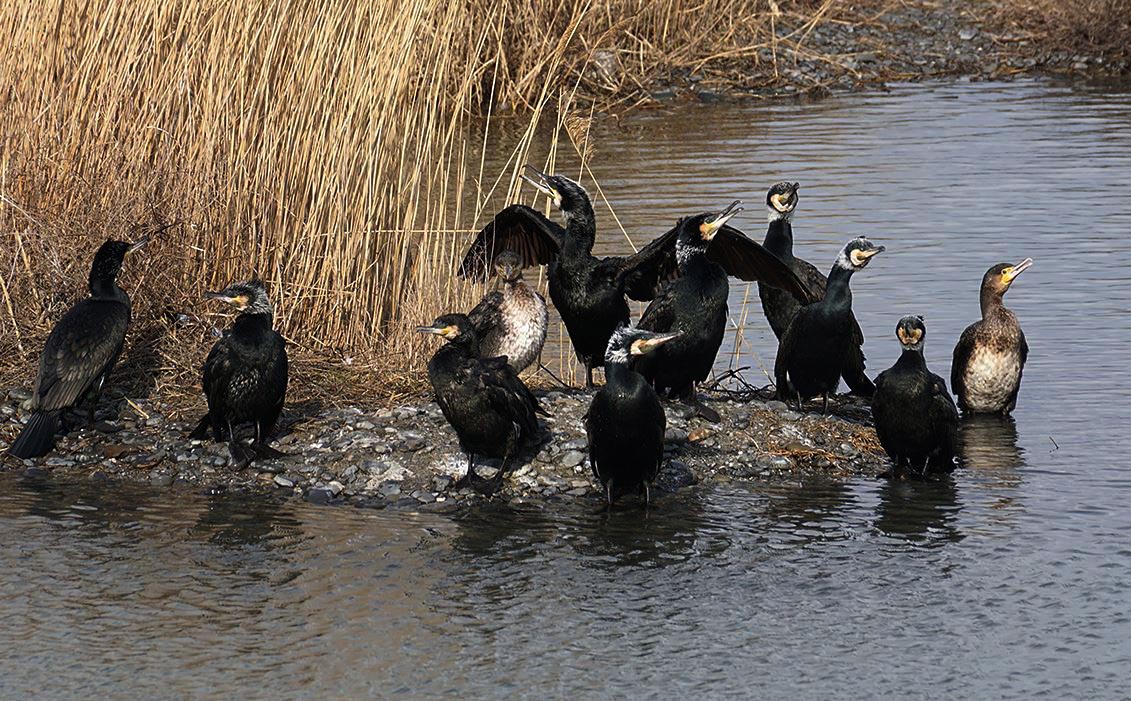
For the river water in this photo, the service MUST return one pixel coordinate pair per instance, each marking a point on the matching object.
(1013, 581)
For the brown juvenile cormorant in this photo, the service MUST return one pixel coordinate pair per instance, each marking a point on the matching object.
(245, 374)
(695, 306)
(990, 355)
(779, 306)
(80, 351)
(625, 422)
(511, 321)
(588, 292)
(916, 419)
(491, 410)
(813, 349)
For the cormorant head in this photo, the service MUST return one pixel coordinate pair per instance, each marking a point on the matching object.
(781, 200)
(454, 328)
(508, 266)
(697, 232)
(857, 254)
(567, 195)
(108, 260)
(1001, 276)
(629, 341)
(911, 332)
(249, 297)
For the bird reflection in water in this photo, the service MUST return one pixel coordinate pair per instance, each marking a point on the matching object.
(988, 446)
(919, 510)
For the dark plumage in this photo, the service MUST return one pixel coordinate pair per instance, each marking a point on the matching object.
(80, 352)
(245, 374)
(813, 349)
(990, 355)
(512, 320)
(695, 306)
(916, 420)
(779, 306)
(625, 422)
(589, 293)
(491, 410)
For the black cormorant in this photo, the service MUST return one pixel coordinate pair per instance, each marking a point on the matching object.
(491, 410)
(813, 349)
(916, 419)
(245, 374)
(695, 306)
(779, 306)
(80, 351)
(588, 292)
(511, 321)
(990, 355)
(625, 422)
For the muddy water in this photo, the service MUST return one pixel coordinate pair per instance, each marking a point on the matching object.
(1012, 581)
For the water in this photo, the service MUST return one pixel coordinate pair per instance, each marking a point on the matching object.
(1012, 582)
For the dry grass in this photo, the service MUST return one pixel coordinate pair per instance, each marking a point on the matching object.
(1090, 27)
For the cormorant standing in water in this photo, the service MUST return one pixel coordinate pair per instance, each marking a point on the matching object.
(625, 423)
(779, 306)
(813, 349)
(916, 419)
(245, 374)
(491, 410)
(80, 351)
(589, 293)
(511, 321)
(990, 355)
(695, 306)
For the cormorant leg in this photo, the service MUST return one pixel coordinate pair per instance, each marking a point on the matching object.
(647, 494)
(691, 399)
(589, 377)
(609, 493)
(263, 450)
(470, 478)
(825, 405)
(800, 403)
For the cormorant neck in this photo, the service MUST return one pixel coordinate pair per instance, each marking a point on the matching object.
(779, 238)
(911, 358)
(581, 228)
(617, 373)
(991, 302)
(105, 288)
(838, 289)
(252, 316)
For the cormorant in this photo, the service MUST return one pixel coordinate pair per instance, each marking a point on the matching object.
(491, 410)
(780, 307)
(916, 419)
(245, 374)
(990, 354)
(80, 351)
(589, 293)
(695, 306)
(813, 349)
(511, 321)
(625, 422)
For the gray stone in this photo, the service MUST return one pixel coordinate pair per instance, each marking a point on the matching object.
(572, 458)
(285, 482)
(336, 487)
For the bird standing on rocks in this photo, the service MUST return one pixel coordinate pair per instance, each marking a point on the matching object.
(245, 374)
(80, 351)
(779, 306)
(511, 321)
(990, 355)
(625, 423)
(812, 352)
(492, 411)
(916, 419)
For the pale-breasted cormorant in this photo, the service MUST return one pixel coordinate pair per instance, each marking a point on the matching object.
(779, 306)
(625, 422)
(491, 410)
(80, 351)
(813, 349)
(511, 320)
(990, 355)
(245, 374)
(589, 293)
(695, 306)
(916, 419)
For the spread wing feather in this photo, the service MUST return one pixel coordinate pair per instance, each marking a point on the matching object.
(518, 228)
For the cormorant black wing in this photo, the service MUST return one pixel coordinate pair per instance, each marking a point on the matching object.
(647, 271)
(962, 351)
(660, 314)
(748, 260)
(82, 347)
(517, 228)
(509, 395)
(487, 314)
(1020, 371)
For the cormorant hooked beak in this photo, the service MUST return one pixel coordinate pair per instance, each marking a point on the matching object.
(239, 301)
(542, 184)
(445, 332)
(140, 243)
(861, 256)
(646, 345)
(709, 228)
(786, 201)
(1009, 274)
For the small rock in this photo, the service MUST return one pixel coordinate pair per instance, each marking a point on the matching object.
(336, 487)
(675, 435)
(318, 495)
(572, 458)
(106, 427)
(285, 482)
(967, 34)
(698, 435)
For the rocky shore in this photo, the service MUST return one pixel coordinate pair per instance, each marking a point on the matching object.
(406, 455)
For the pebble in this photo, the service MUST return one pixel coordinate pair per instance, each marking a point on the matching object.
(284, 482)
(572, 459)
